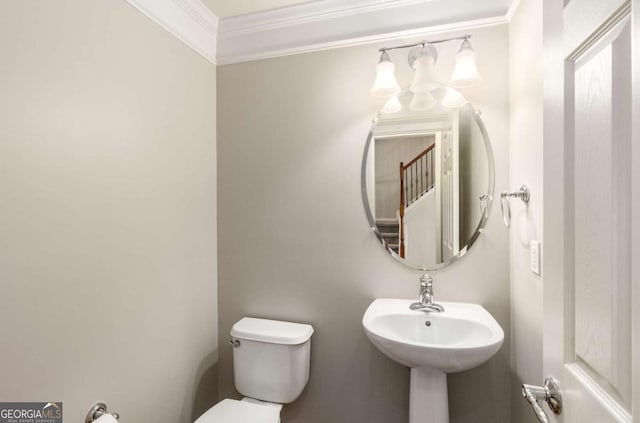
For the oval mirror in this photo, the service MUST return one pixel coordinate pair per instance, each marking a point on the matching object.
(428, 177)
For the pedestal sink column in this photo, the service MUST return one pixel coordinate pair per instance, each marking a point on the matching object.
(428, 399)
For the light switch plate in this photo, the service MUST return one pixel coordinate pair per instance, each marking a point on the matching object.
(535, 257)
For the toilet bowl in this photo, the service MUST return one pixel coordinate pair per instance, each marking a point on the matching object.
(270, 367)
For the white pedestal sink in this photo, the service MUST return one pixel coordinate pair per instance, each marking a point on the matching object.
(432, 345)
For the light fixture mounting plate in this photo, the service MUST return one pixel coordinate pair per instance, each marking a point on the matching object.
(414, 53)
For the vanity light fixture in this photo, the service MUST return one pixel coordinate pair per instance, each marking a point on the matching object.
(392, 105)
(386, 84)
(422, 58)
(466, 74)
(453, 99)
(422, 101)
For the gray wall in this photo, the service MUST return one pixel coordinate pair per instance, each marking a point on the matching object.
(295, 242)
(107, 212)
(526, 167)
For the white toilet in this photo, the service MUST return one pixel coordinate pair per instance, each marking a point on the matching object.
(271, 368)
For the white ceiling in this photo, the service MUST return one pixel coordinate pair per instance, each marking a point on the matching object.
(226, 8)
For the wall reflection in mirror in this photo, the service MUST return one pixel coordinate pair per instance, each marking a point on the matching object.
(428, 176)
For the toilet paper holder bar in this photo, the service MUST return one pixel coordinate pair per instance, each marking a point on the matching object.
(98, 410)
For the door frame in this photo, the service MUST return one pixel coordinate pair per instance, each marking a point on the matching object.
(635, 208)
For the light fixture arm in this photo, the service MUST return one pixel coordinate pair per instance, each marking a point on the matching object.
(465, 37)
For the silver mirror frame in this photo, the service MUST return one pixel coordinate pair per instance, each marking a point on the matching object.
(483, 219)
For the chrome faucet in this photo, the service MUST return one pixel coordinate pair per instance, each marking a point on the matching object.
(425, 301)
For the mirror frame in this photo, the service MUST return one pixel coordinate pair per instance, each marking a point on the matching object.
(483, 221)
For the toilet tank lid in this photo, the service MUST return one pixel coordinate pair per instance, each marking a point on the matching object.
(271, 331)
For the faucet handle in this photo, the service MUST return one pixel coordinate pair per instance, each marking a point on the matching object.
(426, 281)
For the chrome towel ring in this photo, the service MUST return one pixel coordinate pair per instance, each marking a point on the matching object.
(522, 194)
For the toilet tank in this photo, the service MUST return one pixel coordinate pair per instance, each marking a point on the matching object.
(271, 359)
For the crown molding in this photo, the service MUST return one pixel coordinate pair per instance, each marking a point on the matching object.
(188, 20)
(376, 38)
(321, 25)
(317, 25)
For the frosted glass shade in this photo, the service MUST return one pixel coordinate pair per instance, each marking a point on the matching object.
(453, 99)
(425, 74)
(392, 105)
(466, 72)
(422, 101)
(386, 83)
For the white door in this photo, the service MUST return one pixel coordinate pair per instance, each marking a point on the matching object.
(448, 191)
(589, 303)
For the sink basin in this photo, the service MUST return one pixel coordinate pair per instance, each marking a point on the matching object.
(432, 344)
(460, 338)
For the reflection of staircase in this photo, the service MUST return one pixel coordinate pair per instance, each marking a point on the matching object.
(389, 230)
(416, 179)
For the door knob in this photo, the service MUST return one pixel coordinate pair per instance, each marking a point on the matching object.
(549, 392)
